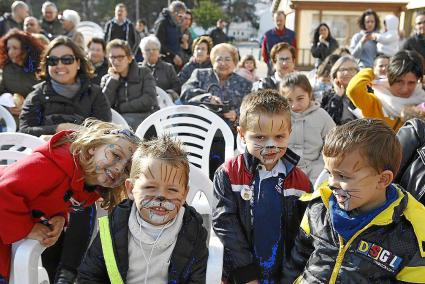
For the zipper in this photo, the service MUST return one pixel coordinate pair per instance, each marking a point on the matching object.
(125, 91)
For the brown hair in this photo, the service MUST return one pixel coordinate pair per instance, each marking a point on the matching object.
(263, 101)
(203, 39)
(248, 57)
(403, 62)
(86, 68)
(375, 140)
(97, 40)
(163, 148)
(92, 134)
(369, 12)
(282, 46)
(119, 43)
(293, 80)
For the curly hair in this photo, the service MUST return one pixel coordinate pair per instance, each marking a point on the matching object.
(369, 12)
(203, 39)
(31, 46)
(86, 68)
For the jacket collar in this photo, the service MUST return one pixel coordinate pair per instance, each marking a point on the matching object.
(133, 72)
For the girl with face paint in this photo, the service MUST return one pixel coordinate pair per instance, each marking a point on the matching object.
(163, 240)
(69, 173)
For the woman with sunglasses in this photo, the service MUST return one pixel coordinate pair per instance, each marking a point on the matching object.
(130, 88)
(62, 102)
(19, 58)
(67, 96)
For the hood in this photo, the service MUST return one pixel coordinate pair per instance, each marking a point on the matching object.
(391, 22)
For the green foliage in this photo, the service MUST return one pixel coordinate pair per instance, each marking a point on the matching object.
(207, 14)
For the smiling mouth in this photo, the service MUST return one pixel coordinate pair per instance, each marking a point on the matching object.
(158, 210)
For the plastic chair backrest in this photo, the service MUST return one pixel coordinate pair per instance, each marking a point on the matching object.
(323, 176)
(18, 140)
(199, 182)
(164, 99)
(195, 127)
(118, 119)
(8, 119)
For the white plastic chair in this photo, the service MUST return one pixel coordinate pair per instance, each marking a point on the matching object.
(195, 127)
(164, 99)
(118, 119)
(200, 183)
(8, 118)
(26, 264)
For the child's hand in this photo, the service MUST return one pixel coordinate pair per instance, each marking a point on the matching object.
(56, 227)
(39, 232)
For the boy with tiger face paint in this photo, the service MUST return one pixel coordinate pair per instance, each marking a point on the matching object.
(156, 236)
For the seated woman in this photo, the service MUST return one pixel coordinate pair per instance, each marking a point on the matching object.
(389, 97)
(62, 102)
(221, 81)
(201, 49)
(335, 101)
(282, 56)
(130, 88)
(163, 72)
(19, 58)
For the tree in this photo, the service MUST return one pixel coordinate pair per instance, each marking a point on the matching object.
(207, 14)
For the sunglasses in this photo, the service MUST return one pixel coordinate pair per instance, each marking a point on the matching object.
(66, 60)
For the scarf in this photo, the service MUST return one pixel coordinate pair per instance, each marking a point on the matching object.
(346, 224)
(392, 105)
(68, 91)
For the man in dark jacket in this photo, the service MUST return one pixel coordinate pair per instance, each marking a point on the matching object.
(154, 237)
(15, 19)
(218, 36)
(96, 52)
(49, 21)
(122, 28)
(167, 30)
(276, 35)
(417, 41)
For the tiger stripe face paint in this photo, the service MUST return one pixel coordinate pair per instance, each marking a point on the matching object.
(267, 137)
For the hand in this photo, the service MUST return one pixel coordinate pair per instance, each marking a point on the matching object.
(177, 60)
(39, 232)
(253, 282)
(338, 87)
(67, 126)
(15, 110)
(367, 37)
(114, 75)
(56, 227)
(215, 100)
(231, 115)
(322, 39)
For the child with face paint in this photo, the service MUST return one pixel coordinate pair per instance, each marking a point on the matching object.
(359, 227)
(66, 174)
(310, 123)
(154, 236)
(257, 209)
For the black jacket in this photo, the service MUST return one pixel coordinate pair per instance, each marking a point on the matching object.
(411, 175)
(169, 35)
(126, 32)
(218, 36)
(320, 50)
(416, 42)
(165, 75)
(16, 80)
(100, 71)
(52, 29)
(7, 23)
(188, 261)
(44, 109)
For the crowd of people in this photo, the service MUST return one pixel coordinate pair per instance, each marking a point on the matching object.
(357, 117)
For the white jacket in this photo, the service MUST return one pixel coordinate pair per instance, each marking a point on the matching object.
(309, 129)
(388, 42)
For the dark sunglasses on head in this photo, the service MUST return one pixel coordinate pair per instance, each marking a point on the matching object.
(54, 60)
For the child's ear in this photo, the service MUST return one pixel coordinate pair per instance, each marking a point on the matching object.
(129, 188)
(241, 133)
(386, 177)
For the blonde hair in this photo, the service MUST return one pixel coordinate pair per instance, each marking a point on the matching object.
(226, 47)
(163, 148)
(92, 134)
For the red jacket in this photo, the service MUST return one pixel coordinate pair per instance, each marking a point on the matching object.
(44, 182)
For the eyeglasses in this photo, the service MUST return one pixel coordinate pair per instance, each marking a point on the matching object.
(349, 69)
(284, 59)
(117, 57)
(226, 59)
(54, 60)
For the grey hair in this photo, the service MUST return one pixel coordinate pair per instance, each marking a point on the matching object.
(18, 4)
(71, 15)
(339, 62)
(177, 6)
(151, 39)
(48, 4)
